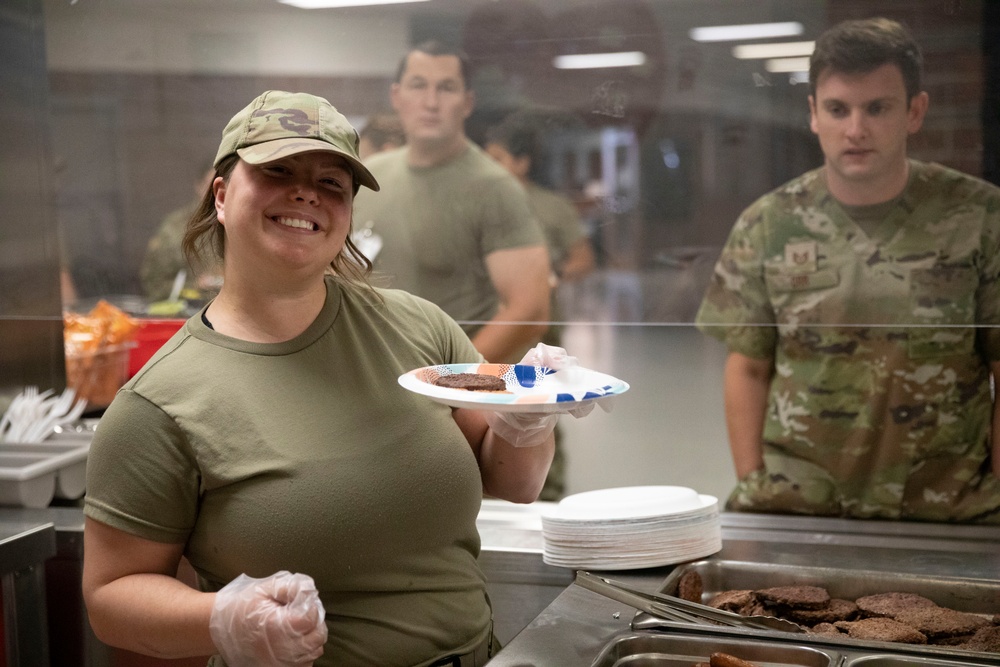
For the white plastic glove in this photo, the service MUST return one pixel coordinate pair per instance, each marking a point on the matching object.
(527, 429)
(277, 621)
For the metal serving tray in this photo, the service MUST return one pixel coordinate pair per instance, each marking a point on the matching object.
(902, 661)
(656, 649)
(644, 648)
(978, 596)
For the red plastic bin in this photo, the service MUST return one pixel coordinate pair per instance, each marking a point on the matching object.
(150, 336)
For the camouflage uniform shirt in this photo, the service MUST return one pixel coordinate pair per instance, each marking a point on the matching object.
(881, 332)
(165, 257)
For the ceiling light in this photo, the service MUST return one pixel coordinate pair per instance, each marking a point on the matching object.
(328, 4)
(787, 65)
(773, 50)
(728, 33)
(599, 60)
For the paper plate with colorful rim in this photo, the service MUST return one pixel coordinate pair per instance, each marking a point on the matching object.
(529, 388)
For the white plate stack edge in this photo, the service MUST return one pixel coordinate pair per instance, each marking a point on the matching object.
(633, 527)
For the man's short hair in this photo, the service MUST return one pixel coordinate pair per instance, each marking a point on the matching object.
(862, 46)
(517, 134)
(433, 47)
(382, 129)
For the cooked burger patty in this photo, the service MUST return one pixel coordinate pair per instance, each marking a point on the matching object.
(986, 639)
(472, 382)
(890, 604)
(690, 586)
(732, 600)
(938, 622)
(882, 629)
(800, 597)
(837, 610)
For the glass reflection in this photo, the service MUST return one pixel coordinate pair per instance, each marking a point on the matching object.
(660, 156)
(661, 152)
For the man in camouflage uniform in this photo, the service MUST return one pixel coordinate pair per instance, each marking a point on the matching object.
(164, 256)
(860, 304)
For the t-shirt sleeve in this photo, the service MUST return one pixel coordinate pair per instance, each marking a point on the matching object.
(141, 476)
(456, 347)
(564, 227)
(736, 309)
(507, 218)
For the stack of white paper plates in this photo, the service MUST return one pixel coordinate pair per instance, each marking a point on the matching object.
(631, 527)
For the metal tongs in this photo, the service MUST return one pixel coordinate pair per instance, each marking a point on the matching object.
(673, 608)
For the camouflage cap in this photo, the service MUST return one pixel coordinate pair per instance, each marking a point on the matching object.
(278, 124)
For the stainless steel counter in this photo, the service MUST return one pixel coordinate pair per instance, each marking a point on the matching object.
(25, 545)
(520, 584)
(541, 617)
(572, 630)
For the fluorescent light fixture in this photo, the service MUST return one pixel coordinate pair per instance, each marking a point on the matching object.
(787, 65)
(329, 4)
(773, 50)
(732, 33)
(599, 60)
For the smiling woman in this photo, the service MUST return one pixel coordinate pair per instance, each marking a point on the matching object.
(277, 404)
(287, 218)
(279, 208)
(283, 221)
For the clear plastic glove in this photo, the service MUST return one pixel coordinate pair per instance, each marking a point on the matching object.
(557, 359)
(277, 621)
(522, 429)
(526, 429)
(550, 356)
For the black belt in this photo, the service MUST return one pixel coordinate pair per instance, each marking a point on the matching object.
(477, 657)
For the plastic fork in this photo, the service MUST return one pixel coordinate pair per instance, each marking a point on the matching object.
(73, 414)
(32, 416)
(61, 410)
(20, 413)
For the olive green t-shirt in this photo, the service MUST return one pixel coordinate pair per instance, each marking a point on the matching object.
(559, 220)
(439, 224)
(308, 456)
(562, 228)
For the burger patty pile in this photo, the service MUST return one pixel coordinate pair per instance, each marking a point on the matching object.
(891, 617)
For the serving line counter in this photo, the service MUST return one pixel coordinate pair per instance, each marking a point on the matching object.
(541, 617)
(47, 607)
(41, 560)
(25, 546)
(578, 624)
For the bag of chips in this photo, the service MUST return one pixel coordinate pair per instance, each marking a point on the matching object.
(97, 347)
